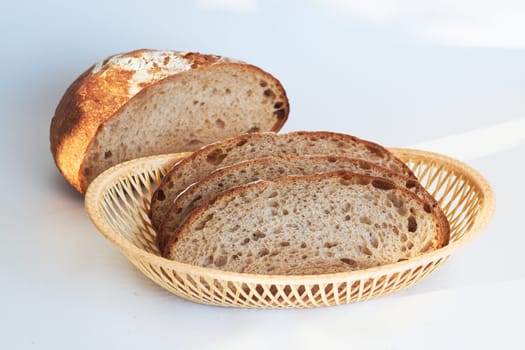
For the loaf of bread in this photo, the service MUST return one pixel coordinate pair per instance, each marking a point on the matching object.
(245, 147)
(149, 102)
(270, 168)
(321, 223)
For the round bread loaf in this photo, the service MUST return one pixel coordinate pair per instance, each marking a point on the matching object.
(149, 102)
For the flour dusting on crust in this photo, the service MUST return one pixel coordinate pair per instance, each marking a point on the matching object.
(148, 67)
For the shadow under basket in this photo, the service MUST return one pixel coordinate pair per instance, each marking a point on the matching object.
(117, 203)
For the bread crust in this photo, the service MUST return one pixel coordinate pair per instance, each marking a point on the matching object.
(104, 89)
(442, 237)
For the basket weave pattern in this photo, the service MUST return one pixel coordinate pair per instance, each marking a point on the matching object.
(118, 201)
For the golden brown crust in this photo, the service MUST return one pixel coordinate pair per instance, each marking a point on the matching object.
(347, 176)
(101, 91)
(64, 130)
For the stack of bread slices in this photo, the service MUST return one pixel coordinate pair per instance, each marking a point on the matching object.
(296, 203)
(247, 199)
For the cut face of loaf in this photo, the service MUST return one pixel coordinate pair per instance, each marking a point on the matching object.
(252, 146)
(151, 102)
(322, 223)
(270, 168)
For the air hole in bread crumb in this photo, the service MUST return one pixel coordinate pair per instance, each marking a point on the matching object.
(273, 194)
(348, 261)
(216, 157)
(227, 91)
(269, 93)
(427, 208)
(346, 208)
(403, 237)
(412, 224)
(397, 202)
(330, 244)
(107, 154)
(221, 261)
(284, 244)
(220, 123)
(263, 252)
(258, 234)
(383, 184)
(253, 129)
(304, 257)
(375, 151)
(278, 105)
(179, 210)
(160, 195)
(245, 241)
(347, 218)
(365, 220)
(303, 245)
(285, 212)
(240, 143)
(365, 250)
(263, 83)
(410, 245)
(402, 211)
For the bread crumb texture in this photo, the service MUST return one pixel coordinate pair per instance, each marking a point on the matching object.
(322, 223)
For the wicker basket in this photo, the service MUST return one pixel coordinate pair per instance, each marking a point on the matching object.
(118, 200)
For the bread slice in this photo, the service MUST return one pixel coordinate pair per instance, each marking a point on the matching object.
(321, 223)
(270, 168)
(149, 102)
(246, 147)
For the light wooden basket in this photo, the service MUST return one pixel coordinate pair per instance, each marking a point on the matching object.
(118, 200)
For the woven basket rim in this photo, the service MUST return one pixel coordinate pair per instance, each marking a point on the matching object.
(97, 187)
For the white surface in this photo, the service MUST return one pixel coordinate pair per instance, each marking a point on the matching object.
(63, 285)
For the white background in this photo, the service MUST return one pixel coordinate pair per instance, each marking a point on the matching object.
(449, 77)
